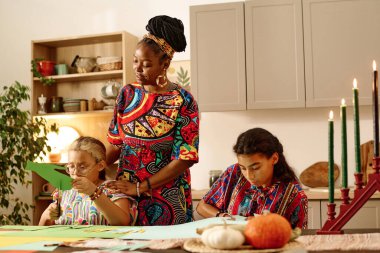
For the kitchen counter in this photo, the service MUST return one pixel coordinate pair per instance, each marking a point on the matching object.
(312, 194)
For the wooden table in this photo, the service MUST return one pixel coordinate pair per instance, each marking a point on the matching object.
(304, 232)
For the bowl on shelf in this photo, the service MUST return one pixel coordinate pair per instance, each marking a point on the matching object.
(84, 64)
(71, 105)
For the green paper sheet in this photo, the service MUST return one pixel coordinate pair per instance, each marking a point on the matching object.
(49, 172)
(187, 230)
(69, 231)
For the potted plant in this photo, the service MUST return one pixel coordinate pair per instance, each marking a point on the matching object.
(22, 138)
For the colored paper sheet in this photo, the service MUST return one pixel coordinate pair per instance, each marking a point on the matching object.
(49, 173)
(39, 246)
(68, 231)
(187, 230)
(6, 242)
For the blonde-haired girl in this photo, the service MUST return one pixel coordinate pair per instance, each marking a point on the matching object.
(89, 201)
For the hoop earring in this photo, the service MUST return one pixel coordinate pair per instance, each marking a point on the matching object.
(161, 85)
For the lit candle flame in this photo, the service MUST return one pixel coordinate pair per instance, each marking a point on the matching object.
(374, 65)
(331, 115)
(343, 103)
(355, 83)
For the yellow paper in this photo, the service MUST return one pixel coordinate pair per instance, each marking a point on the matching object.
(11, 241)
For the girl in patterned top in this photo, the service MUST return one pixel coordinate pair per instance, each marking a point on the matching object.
(89, 202)
(154, 131)
(261, 180)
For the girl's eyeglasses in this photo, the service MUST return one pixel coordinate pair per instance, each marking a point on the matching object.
(80, 170)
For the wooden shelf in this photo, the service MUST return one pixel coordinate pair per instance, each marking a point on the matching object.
(86, 76)
(68, 115)
(81, 40)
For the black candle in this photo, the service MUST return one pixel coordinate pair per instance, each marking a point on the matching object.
(375, 112)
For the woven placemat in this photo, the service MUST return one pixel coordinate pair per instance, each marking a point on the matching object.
(196, 245)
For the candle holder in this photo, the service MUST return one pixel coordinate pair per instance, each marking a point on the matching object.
(345, 196)
(361, 196)
(358, 180)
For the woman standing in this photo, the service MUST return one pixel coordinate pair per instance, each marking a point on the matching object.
(154, 131)
(260, 180)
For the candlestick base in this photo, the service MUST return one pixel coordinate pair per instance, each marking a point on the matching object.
(347, 211)
(358, 180)
(345, 196)
(376, 164)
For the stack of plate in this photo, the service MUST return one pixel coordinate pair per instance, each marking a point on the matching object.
(71, 105)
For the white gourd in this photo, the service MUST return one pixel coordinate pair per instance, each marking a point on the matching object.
(222, 237)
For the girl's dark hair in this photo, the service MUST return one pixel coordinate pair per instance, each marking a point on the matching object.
(168, 28)
(258, 140)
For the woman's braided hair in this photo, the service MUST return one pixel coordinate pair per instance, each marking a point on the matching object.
(259, 140)
(168, 28)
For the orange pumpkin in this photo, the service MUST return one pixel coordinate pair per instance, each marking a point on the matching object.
(268, 231)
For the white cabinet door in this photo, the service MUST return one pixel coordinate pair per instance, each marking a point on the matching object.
(274, 54)
(314, 214)
(218, 56)
(367, 217)
(341, 39)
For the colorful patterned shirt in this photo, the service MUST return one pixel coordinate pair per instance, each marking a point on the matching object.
(153, 129)
(78, 209)
(232, 193)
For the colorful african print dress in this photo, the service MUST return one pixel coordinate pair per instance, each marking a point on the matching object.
(232, 193)
(152, 130)
(78, 209)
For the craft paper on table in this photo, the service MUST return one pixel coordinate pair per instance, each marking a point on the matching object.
(109, 244)
(70, 231)
(39, 246)
(13, 241)
(187, 230)
(49, 172)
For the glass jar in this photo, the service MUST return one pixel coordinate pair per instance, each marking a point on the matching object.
(56, 104)
(214, 175)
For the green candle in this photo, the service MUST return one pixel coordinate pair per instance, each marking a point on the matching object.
(331, 158)
(357, 129)
(344, 143)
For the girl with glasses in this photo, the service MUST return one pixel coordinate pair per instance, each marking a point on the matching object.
(89, 202)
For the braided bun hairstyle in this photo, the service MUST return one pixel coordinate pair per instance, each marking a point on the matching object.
(259, 140)
(168, 28)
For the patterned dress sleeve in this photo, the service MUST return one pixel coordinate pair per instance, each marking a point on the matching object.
(186, 137)
(220, 192)
(297, 211)
(113, 136)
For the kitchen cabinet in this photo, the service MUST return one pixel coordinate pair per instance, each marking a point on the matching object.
(274, 54)
(296, 53)
(218, 56)
(340, 44)
(314, 214)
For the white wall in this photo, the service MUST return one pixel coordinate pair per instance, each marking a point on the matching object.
(303, 132)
